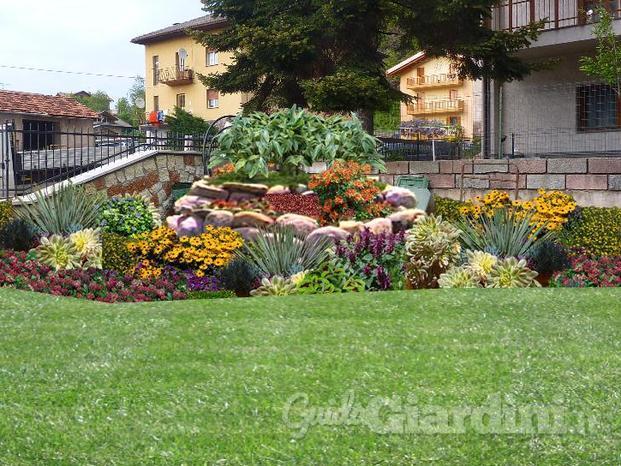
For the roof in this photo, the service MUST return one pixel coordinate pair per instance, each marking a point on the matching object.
(46, 105)
(405, 64)
(204, 23)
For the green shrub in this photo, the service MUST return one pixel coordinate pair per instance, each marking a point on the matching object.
(66, 210)
(7, 213)
(547, 257)
(128, 215)
(596, 230)
(239, 277)
(274, 178)
(330, 279)
(222, 294)
(447, 208)
(116, 256)
(17, 235)
(291, 139)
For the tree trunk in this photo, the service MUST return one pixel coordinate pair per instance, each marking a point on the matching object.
(366, 118)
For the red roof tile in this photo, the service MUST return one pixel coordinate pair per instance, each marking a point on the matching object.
(39, 104)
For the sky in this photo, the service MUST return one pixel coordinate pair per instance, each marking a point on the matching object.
(80, 35)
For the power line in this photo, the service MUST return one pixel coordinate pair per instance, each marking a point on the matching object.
(81, 73)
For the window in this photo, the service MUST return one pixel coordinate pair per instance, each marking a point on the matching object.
(453, 94)
(39, 135)
(213, 98)
(598, 107)
(156, 70)
(454, 121)
(156, 103)
(181, 100)
(212, 58)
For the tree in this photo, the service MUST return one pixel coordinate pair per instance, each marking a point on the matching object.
(183, 122)
(606, 64)
(99, 101)
(131, 108)
(326, 54)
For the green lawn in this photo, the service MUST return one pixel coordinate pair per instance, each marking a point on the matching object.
(205, 382)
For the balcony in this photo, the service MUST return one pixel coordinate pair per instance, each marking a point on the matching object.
(431, 107)
(175, 76)
(434, 80)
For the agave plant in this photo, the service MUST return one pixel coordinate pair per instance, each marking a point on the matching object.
(58, 253)
(275, 286)
(512, 273)
(280, 252)
(504, 233)
(432, 246)
(65, 210)
(459, 277)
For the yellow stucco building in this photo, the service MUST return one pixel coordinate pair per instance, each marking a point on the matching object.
(173, 61)
(439, 93)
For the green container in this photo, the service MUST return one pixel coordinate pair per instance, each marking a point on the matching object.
(419, 185)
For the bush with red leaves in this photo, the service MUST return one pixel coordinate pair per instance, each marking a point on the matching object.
(295, 204)
(590, 272)
(17, 271)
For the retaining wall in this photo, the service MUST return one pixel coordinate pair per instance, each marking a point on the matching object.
(592, 181)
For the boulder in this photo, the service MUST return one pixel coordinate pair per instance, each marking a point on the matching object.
(248, 218)
(300, 188)
(204, 190)
(301, 224)
(190, 225)
(398, 197)
(379, 226)
(249, 188)
(404, 219)
(189, 204)
(351, 226)
(248, 233)
(219, 218)
(335, 233)
(308, 193)
(278, 189)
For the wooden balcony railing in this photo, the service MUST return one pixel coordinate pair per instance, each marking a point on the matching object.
(427, 107)
(175, 76)
(434, 80)
(556, 14)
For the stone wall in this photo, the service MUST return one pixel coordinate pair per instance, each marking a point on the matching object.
(154, 177)
(592, 181)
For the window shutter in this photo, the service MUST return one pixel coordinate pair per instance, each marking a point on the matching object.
(212, 94)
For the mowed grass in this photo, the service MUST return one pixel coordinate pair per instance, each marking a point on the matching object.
(205, 382)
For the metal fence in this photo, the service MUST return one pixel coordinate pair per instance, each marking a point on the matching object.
(33, 158)
(421, 148)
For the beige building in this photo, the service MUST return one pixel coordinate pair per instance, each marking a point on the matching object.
(439, 94)
(173, 61)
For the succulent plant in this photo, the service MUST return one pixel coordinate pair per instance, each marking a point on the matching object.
(459, 277)
(480, 263)
(58, 253)
(512, 273)
(86, 241)
(275, 286)
(432, 246)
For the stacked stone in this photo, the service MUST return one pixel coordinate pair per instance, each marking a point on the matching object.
(194, 212)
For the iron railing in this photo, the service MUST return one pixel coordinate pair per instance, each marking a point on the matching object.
(422, 148)
(33, 159)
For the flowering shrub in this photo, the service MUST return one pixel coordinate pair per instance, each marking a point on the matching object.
(295, 204)
(595, 229)
(115, 254)
(128, 215)
(344, 191)
(589, 272)
(550, 209)
(377, 259)
(161, 247)
(18, 272)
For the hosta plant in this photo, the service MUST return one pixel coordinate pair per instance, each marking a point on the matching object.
(459, 277)
(432, 247)
(275, 286)
(512, 273)
(330, 279)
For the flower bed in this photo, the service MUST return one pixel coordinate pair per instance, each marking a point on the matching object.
(293, 203)
(590, 272)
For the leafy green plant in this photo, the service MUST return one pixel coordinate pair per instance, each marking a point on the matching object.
(280, 253)
(116, 256)
(330, 279)
(65, 210)
(274, 178)
(597, 230)
(512, 273)
(503, 233)
(432, 246)
(128, 215)
(292, 139)
(17, 235)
